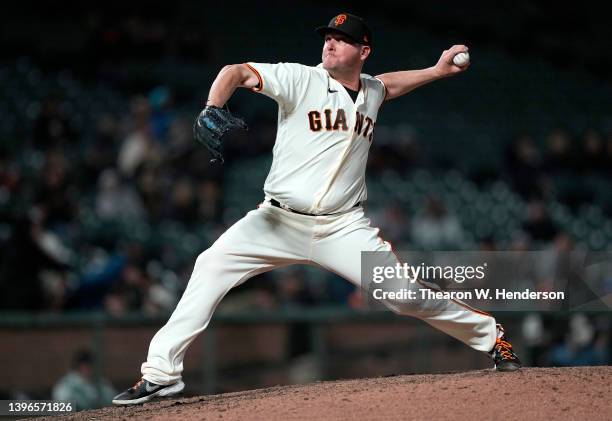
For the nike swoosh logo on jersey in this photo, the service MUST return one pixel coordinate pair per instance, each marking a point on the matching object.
(331, 91)
(153, 388)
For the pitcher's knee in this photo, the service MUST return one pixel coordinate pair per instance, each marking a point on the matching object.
(210, 263)
(210, 257)
(203, 258)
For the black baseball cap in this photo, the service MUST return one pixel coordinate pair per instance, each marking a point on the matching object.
(352, 26)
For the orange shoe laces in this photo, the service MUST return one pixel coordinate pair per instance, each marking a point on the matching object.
(504, 348)
(138, 383)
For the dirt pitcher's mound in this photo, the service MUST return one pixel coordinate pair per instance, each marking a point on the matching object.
(531, 393)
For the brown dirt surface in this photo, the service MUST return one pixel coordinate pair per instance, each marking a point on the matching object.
(531, 393)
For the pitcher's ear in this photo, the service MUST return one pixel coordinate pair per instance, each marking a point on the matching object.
(365, 51)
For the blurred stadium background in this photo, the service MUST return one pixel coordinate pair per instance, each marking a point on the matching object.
(105, 199)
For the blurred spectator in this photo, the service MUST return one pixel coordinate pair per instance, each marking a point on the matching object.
(593, 157)
(23, 259)
(209, 201)
(162, 114)
(79, 385)
(151, 192)
(159, 300)
(535, 339)
(554, 268)
(524, 166)
(183, 206)
(560, 154)
(116, 201)
(100, 272)
(133, 290)
(56, 192)
(180, 140)
(435, 228)
(51, 128)
(134, 286)
(393, 223)
(394, 148)
(256, 295)
(137, 147)
(101, 154)
(116, 302)
(539, 226)
(580, 345)
(293, 290)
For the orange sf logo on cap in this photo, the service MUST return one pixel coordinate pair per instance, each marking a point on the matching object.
(340, 19)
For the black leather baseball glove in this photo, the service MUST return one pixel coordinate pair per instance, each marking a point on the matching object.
(210, 127)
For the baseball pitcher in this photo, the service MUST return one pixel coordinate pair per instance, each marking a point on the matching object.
(312, 212)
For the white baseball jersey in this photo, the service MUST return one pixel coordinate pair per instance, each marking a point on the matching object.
(319, 165)
(323, 137)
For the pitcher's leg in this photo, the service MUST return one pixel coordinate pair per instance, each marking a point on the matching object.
(248, 248)
(341, 253)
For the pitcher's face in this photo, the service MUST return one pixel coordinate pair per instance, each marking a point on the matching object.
(341, 53)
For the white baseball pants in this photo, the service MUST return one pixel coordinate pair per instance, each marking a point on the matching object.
(270, 237)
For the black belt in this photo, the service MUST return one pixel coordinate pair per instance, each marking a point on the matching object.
(277, 204)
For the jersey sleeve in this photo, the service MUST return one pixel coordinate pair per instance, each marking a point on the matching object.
(283, 82)
(381, 90)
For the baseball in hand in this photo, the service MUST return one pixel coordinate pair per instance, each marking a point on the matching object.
(461, 59)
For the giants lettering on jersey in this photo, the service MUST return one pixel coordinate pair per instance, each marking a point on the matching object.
(364, 125)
